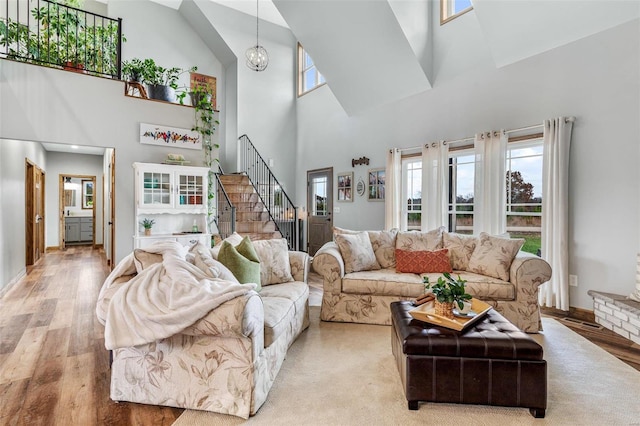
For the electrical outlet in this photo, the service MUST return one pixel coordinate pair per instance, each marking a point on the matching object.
(336, 209)
(573, 280)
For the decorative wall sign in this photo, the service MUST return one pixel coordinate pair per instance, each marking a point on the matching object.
(376, 184)
(174, 137)
(360, 161)
(345, 186)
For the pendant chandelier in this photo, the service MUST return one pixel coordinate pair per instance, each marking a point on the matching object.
(257, 56)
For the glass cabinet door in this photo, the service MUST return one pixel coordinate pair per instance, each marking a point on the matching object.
(191, 190)
(156, 189)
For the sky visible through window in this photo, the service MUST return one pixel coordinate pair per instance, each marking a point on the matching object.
(460, 5)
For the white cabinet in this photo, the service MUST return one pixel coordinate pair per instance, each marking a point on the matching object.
(175, 197)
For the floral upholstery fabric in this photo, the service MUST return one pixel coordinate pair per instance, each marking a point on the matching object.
(357, 252)
(221, 363)
(493, 255)
(460, 248)
(365, 301)
(274, 261)
(384, 245)
(417, 240)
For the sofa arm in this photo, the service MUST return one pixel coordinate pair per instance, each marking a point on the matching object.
(527, 273)
(300, 263)
(242, 316)
(329, 264)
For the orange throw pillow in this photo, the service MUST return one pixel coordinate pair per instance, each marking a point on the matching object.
(420, 262)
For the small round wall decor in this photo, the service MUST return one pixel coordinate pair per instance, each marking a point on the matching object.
(360, 187)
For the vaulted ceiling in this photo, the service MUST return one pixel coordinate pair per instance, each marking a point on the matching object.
(373, 52)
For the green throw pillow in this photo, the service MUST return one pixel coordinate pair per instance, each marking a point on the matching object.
(242, 260)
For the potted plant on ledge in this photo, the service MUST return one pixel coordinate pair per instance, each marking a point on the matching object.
(448, 292)
(162, 82)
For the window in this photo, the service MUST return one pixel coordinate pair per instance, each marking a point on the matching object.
(450, 9)
(524, 192)
(308, 76)
(461, 190)
(412, 191)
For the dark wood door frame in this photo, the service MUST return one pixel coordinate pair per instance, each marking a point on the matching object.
(61, 215)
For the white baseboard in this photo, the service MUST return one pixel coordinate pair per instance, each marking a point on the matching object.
(11, 283)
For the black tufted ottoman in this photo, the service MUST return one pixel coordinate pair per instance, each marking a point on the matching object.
(491, 363)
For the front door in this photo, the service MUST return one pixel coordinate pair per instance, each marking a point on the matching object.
(319, 206)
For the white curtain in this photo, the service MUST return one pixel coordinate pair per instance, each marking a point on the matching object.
(555, 211)
(393, 191)
(490, 190)
(435, 163)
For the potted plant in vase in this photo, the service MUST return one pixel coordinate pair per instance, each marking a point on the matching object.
(162, 82)
(133, 70)
(147, 224)
(448, 292)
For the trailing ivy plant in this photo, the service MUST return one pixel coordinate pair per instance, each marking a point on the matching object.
(206, 125)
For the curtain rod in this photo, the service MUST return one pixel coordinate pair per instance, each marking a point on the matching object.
(520, 129)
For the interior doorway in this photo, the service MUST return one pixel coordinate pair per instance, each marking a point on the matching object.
(34, 212)
(77, 220)
(320, 207)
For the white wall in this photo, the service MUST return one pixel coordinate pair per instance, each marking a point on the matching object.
(595, 79)
(12, 214)
(59, 163)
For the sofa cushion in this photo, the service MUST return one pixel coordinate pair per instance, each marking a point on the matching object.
(460, 248)
(210, 266)
(384, 282)
(417, 240)
(384, 246)
(482, 286)
(242, 261)
(493, 255)
(233, 239)
(357, 252)
(422, 261)
(282, 302)
(275, 267)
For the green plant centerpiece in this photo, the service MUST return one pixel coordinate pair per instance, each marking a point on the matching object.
(449, 292)
(147, 224)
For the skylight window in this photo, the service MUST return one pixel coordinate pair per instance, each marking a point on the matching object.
(309, 77)
(451, 9)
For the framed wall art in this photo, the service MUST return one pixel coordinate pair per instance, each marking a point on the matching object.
(376, 184)
(345, 186)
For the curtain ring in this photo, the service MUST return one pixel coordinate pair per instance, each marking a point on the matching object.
(426, 145)
(444, 142)
(434, 145)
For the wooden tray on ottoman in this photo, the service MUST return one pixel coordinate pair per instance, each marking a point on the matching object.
(426, 313)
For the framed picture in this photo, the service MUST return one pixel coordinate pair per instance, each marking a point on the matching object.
(87, 194)
(345, 186)
(376, 184)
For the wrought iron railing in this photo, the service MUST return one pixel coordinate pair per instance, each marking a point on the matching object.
(225, 218)
(281, 210)
(49, 33)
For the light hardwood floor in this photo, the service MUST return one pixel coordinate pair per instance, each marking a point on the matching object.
(54, 369)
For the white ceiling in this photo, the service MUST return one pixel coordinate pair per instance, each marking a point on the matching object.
(74, 149)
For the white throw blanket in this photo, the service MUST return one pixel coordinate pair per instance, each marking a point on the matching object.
(164, 299)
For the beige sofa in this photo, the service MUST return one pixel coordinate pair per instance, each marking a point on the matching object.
(364, 296)
(226, 361)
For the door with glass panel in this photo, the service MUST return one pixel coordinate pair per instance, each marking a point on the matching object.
(319, 206)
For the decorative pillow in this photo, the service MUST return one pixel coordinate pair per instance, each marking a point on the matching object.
(384, 247)
(461, 248)
(420, 262)
(275, 267)
(143, 259)
(420, 241)
(207, 264)
(493, 256)
(357, 252)
(233, 239)
(242, 260)
(338, 231)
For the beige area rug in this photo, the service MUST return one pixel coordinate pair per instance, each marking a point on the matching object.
(345, 374)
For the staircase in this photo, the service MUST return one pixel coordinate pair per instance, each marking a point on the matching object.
(252, 217)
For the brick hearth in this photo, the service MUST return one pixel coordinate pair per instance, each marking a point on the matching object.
(617, 313)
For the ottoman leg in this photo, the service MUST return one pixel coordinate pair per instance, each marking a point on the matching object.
(413, 405)
(538, 413)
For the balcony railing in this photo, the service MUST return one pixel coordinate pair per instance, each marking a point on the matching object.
(52, 34)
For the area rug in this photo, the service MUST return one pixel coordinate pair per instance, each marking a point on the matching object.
(345, 374)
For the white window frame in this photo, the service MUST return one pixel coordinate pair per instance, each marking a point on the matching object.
(302, 70)
(446, 8)
(417, 207)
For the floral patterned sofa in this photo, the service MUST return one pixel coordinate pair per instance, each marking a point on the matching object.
(359, 288)
(226, 361)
